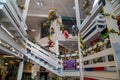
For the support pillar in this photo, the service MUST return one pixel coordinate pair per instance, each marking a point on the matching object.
(77, 11)
(25, 11)
(20, 70)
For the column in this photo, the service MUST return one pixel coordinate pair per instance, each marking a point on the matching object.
(27, 2)
(77, 11)
(20, 70)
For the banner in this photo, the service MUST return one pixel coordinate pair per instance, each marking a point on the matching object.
(69, 65)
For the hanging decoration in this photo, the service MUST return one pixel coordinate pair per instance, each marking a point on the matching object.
(118, 22)
(51, 43)
(52, 30)
(111, 30)
(107, 14)
(86, 5)
(60, 24)
(61, 27)
(21, 5)
(81, 42)
(66, 34)
(52, 14)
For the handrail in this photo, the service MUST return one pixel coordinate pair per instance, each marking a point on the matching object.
(88, 19)
(42, 53)
(12, 15)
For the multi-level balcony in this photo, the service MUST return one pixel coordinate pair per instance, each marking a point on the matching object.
(43, 58)
(12, 20)
(13, 39)
(95, 27)
(98, 54)
(115, 4)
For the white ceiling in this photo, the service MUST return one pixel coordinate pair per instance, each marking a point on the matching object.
(64, 7)
(38, 13)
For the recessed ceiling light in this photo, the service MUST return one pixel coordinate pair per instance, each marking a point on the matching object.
(33, 30)
(38, 3)
(41, 4)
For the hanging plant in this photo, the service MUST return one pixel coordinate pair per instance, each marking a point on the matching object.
(52, 14)
(81, 43)
(111, 30)
(51, 43)
(113, 17)
(61, 27)
(59, 22)
(88, 13)
(52, 30)
(49, 37)
(21, 6)
(86, 4)
(66, 34)
(107, 14)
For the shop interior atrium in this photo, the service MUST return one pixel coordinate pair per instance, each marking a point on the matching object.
(59, 39)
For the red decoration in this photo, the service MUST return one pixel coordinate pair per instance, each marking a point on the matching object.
(66, 34)
(51, 43)
(98, 69)
(86, 78)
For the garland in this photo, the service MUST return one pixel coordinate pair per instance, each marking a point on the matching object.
(81, 42)
(21, 6)
(107, 14)
(111, 30)
(86, 5)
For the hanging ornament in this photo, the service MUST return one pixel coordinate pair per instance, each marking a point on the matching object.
(52, 30)
(52, 14)
(61, 27)
(66, 34)
(113, 17)
(21, 5)
(51, 43)
(59, 22)
(81, 42)
(111, 30)
(86, 4)
(49, 37)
